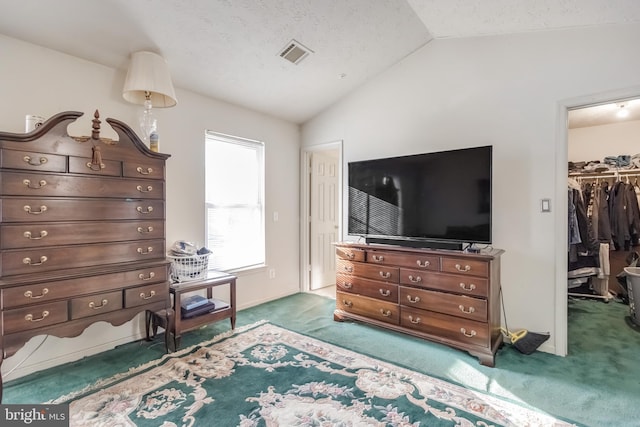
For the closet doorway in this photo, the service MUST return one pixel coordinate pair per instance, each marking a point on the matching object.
(603, 162)
(321, 213)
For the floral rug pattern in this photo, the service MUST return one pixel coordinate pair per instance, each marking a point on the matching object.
(264, 375)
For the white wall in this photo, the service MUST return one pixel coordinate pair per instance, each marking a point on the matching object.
(35, 80)
(507, 91)
(598, 142)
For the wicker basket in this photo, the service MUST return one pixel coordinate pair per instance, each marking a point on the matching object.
(191, 267)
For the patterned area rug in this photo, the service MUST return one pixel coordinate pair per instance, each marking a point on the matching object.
(264, 375)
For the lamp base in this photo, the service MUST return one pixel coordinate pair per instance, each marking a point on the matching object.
(148, 123)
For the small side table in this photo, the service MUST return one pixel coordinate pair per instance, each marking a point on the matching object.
(181, 325)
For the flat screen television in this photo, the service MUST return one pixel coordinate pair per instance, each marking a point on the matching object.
(435, 200)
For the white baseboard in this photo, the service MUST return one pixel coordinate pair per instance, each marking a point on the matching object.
(264, 300)
(27, 369)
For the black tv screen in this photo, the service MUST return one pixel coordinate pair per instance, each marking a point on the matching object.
(441, 197)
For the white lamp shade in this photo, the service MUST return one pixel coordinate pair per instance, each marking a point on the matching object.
(149, 72)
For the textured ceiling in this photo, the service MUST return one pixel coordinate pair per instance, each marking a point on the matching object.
(228, 49)
(471, 18)
(604, 114)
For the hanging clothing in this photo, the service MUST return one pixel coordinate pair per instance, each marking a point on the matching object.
(625, 215)
(583, 246)
(600, 213)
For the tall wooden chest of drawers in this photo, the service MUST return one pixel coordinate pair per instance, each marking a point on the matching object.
(448, 297)
(82, 231)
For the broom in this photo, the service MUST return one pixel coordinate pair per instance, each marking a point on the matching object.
(524, 341)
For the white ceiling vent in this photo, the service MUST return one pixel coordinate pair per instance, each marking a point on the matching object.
(295, 52)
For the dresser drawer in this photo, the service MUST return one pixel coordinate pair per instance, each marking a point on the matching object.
(452, 328)
(369, 307)
(62, 289)
(467, 285)
(456, 305)
(35, 235)
(464, 266)
(404, 259)
(50, 185)
(95, 304)
(149, 170)
(15, 209)
(350, 254)
(415, 277)
(84, 165)
(28, 160)
(370, 288)
(141, 295)
(35, 316)
(375, 272)
(39, 260)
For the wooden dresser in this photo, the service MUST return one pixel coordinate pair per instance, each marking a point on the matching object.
(448, 297)
(82, 231)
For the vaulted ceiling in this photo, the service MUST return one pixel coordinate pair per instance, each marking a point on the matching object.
(230, 49)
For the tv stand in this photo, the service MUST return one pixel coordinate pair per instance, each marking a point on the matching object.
(425, 244)
(443, 296)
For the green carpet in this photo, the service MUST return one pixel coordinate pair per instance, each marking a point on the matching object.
(598, 384)
(265, 375)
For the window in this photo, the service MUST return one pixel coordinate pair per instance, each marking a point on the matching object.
(234, 202)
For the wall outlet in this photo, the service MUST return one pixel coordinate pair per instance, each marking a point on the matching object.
(272, 273)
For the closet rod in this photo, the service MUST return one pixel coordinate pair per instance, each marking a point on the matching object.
(610, 174)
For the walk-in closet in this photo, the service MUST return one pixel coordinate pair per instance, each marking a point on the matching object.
(603, 198)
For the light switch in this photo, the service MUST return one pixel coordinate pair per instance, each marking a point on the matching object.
(545, 205)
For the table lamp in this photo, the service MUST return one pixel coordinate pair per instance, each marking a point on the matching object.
(148, 83)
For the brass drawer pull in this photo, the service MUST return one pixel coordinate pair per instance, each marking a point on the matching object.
(469, 311)
(30, 294)
(151, 295)
(385, 274)
(351, 255)
(142, 190)
(378, 258)
(41, 161)
(385, 313)
(384, 292)
(41, 184)
(96, 167)
(149, 277)
(460, 268)
(347, 303)
(97, 307)
(143, 230)
(413, 300)
(348, 268)
(424, 264)
(347, 285)
(416, 279)
(149, 209)
(30, 236)
(29, 317)
(469, 288)
(415, 321)
(468, 334)
(28, 210)
(27, 260)
(142, 171)
(142, 251)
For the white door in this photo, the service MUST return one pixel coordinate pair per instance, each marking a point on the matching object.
(323, 219)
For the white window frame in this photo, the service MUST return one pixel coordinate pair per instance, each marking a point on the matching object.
(259, 241)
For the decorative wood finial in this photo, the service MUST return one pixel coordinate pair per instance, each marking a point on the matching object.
(95, 133)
